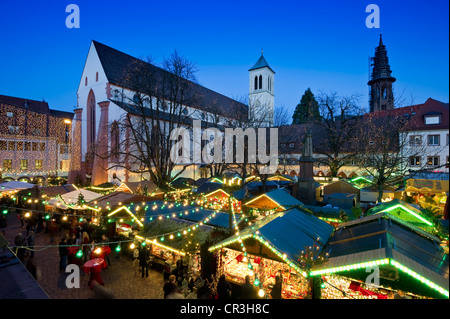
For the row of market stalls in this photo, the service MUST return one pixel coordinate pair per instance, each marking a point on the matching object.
(274, 233)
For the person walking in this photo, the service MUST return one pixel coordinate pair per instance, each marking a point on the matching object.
(170, 286)
(63, 252)
(86, 246)
(247, 289)
(144, 262)
(30, 241)
(105, 242)
(276, 290)
(19, 241)
(223, 288)
(3, 223)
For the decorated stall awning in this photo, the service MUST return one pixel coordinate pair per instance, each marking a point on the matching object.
(286, 234)
(405, 212)
(218, 193)
(72, 197)
(404, 254)
(277, 199)
(15, 186)
(427, 186)
(208, 187)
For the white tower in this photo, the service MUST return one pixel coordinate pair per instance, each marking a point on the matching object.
(261, 93)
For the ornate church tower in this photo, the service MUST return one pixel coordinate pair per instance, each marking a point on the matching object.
(261, 93)
(381, 94)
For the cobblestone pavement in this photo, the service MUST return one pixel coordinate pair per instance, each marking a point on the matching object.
(121, 279)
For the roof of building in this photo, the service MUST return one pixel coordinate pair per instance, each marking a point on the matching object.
(261, 63)
(382, 236)
(289, 232)
(33, 105)
(277, 197)
(116, 64)
(17, 281)
(414, 115)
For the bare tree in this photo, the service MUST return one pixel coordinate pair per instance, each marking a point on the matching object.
(336, 125)
(385, 150)
(281, 116)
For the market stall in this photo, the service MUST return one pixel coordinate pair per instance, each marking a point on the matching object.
(405, 212)
(274, 201)
(273, 246)
(406, 257)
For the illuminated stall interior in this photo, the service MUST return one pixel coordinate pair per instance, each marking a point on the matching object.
(270, 245)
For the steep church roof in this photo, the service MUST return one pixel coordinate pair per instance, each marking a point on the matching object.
(117, 65)
(261, 63)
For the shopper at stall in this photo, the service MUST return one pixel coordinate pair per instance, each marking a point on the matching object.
(170, 286)
(400, 295)
(63, 253)
(224, 289)
(144, 261)
(276, 290)
(247, 289)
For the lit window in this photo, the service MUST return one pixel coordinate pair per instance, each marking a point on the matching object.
(7, 164)
(38, 164)
(414, 161)
(23, 164)
(27, 146)
(9, 114)
(433, 161)
(42, 147)
(11, 146)
(34, 146)
(3, 145)
(19, 146)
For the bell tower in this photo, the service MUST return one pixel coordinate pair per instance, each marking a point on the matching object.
(261, 93)
(381, 96)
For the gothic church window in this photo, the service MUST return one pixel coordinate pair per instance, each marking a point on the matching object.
(260, 82)
(256, 82)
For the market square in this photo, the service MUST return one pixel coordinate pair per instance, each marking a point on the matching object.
(150, 178)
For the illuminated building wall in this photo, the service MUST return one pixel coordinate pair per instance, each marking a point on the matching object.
(34, 139)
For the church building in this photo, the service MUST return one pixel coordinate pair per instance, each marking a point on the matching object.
(101, 107)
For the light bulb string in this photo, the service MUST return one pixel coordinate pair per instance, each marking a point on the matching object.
(76, 245)
(183, 228)
(101, 217)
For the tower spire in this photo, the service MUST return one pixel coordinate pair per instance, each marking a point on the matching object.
(381, 94)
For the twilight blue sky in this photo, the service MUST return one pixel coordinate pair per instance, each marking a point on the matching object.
(324, 45)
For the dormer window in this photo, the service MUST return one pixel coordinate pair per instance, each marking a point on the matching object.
(432, 119)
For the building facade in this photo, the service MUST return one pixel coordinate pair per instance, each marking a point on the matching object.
(34, 140)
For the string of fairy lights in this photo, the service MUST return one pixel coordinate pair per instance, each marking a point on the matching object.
(180, 209)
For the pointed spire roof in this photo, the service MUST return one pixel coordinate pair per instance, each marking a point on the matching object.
(261, 63)
(380, 64)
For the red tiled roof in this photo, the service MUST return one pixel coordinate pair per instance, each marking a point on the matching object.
(415, 115)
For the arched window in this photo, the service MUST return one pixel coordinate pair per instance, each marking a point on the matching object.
(256, 82)
(115, 141)
(268, 83)
(384, 93)
(91, 119)
(96, 77)
(260, 82)
(85, 81)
